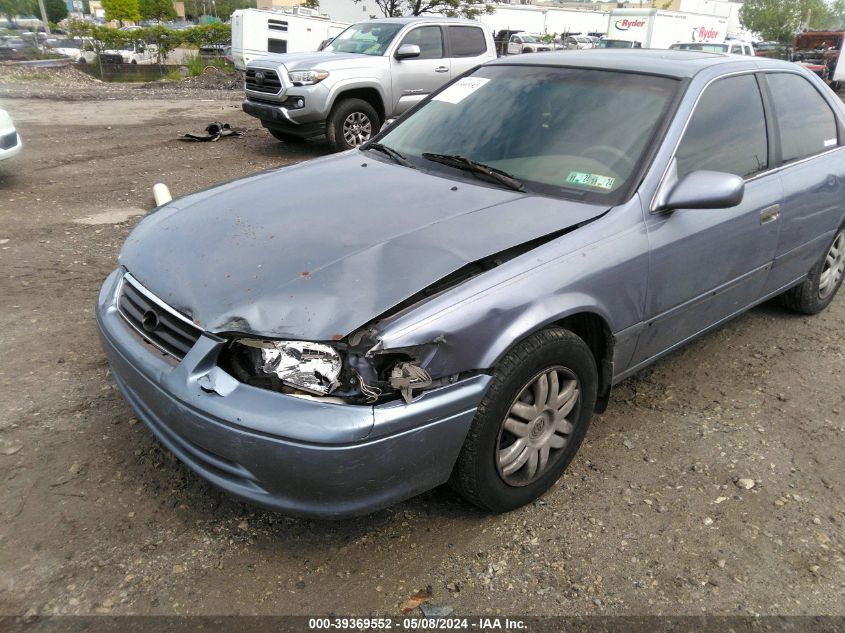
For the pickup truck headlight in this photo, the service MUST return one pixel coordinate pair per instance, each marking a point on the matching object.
(312, 367)
(307, 77)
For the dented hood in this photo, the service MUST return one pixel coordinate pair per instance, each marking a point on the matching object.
(315, 250)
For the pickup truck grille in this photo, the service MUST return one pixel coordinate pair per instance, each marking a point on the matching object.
(159, 325)
(8, 141)
(260, 80)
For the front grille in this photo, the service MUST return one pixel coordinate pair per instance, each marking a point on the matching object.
(8, 141)
(160, 325)
(261, 80)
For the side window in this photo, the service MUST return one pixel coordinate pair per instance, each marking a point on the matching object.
(277, 46)
(727, 131)
(806, 123)
(429, 39)
(466, 41)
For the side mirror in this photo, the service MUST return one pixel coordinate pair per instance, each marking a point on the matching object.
(407, 51)
(705, 190)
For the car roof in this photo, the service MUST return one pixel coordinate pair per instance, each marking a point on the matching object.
(652, 61)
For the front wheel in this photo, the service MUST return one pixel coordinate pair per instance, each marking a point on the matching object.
(818, 289)
(530, 422)
(352, 123)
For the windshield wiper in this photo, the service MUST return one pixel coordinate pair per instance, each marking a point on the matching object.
(389, 151)
(467, 164)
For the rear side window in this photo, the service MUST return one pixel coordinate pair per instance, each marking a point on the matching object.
(806, 123)
(727, 131)
(466, 41)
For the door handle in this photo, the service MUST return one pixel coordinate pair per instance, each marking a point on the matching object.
(441, 69)
(770, 214)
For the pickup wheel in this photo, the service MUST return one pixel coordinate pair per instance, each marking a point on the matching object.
(530, 423)
(352, 123)
(287, 138)
(816, 292)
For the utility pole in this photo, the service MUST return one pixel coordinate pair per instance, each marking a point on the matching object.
(44, 16)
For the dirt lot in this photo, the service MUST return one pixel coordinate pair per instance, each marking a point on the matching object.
(96, 518)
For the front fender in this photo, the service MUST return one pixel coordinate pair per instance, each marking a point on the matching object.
(352, 83)
(600, 268)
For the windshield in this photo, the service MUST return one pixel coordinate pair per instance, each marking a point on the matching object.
(563, 131)
(615, 44)
(365, 38)
(528, 38)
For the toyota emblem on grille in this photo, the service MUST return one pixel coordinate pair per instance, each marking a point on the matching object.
(259, 78)
(150, 322)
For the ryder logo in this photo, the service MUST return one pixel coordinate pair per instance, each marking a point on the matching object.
(624, 25)
(703, 34)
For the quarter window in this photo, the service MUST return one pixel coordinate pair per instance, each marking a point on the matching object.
(466, 41)
(806, 122)
(727, 131)
(429, 39)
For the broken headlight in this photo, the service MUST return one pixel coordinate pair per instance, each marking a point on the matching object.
(311, 367)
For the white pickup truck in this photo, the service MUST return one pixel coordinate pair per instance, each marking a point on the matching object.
(371, 72)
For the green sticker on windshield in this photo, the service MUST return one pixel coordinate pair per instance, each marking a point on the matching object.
(590, 180)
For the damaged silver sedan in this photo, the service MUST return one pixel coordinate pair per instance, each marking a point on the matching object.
(453, 301)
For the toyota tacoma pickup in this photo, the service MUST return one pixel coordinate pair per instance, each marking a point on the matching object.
(373, 71)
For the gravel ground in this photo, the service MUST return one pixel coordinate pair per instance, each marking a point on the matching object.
(713, 484)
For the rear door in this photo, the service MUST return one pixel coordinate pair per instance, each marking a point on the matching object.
(709, 264)
(813, 157)
(415, 78)
(467, 48)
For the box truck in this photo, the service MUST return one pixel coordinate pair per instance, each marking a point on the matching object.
(654, 28)
(260, 32)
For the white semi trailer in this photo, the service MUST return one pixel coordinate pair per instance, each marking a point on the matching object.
(654, 28)
(260, 32)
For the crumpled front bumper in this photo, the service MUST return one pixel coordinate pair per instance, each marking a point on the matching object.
(287, 453)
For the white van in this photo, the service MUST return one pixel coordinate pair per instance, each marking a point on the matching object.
(730, 47)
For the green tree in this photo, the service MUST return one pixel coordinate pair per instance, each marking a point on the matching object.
(156, 10)
(779, 20)
(122, 10)
(451, 8)
(56, 9)
(13, 8)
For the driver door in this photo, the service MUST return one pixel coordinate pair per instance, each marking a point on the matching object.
(707, 265)
(413, 79)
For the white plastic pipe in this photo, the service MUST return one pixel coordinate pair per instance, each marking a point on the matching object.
(161, 194)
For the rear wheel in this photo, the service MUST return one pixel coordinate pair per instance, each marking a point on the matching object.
(352, 123)
(818, 289)
(287, 138)
(530, 423)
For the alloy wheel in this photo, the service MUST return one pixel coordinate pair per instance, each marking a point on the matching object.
(357, 129)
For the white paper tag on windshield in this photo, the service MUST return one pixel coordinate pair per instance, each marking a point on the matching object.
(461, 89)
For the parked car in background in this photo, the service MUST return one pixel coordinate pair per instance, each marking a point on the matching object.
(373, 71)
(610, 43)
(527, 43)
(10, 140)
(729, 47)
(78, 50)
(773, 50)
(573, 42)
(453, 300)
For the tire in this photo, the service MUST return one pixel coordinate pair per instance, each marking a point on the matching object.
(816, 292)
(527, 50)
(81, 60)
(489, 476)
(287, 138)
(351, 123)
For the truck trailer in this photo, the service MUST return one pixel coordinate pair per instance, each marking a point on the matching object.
(654, 28)
(260, 32)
